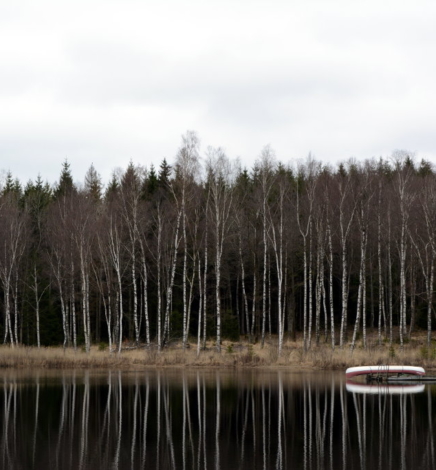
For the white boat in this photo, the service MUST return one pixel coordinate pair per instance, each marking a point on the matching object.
(384, 370)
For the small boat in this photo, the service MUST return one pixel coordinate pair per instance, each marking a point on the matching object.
(384, 370)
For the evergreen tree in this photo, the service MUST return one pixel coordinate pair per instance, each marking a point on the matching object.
(93, 185)
(12, 186)
(151, 183)
(112, 187)
(164, 174)
(65, 185)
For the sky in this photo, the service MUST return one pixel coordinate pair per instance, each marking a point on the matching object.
(109, 82)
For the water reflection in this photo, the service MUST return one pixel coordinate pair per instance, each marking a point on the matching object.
(215, 420)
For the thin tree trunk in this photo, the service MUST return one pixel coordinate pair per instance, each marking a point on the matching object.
(244, 293)
(159, 282)
(380, 278)
(200, 306)
(253, 306)
(264, 285)
(310, 281)
(169, 291)
(332, 322)
(205, 288)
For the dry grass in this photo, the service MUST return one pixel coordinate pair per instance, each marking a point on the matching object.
(233, 354)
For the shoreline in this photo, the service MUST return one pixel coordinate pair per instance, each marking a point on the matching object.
(234, 355)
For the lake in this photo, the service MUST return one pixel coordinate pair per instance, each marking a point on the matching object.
(216, 419)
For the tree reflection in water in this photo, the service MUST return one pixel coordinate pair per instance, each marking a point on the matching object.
(219, 420)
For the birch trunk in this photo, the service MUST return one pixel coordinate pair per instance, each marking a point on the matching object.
(38, 337)
(135, 296)
(264, 285)
(310, 281)
(145, 295)
(185, 274)
(244, 293)
(277, 244)
(169, 290)
(390, 282)
(205, 287)
(319, 284)
(218, 254)
(345, 231)
(253, 306)
(361, 292)
(380, 278)
(429, 302)
(200, 307)
(159, 282)
(332, 322)
(73, 306)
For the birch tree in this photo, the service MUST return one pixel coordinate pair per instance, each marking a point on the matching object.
(404, 172)
(130, 198)
(13, 226)
(307, 181)
(365, 203)
(220, 183)
(347, 209)
(278, 220)
(266, 165)
(186, 168)
(116, 238)
(82, 230)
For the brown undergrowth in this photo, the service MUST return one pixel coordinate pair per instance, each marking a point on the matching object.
(233, 354)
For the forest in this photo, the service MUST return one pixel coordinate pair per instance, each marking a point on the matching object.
(204, 249)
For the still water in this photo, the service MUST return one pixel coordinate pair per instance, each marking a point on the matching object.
(212, 420)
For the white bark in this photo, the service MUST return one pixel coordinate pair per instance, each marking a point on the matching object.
(115, 243)
(205, 283)
(144, 274)
(221, 195)
(361, 290)
(332, 322)
(170, 283)
(345, 228)
(13, 244)
(244, 293)
(159, 280)
(200, 306)
(276, 235)
(379, 259)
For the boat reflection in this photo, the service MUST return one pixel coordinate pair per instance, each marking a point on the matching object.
(378, 388)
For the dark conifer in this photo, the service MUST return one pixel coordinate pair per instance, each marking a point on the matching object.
(65, 185)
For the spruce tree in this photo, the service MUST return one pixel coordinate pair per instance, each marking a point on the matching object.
(65, 185)
(93, 184)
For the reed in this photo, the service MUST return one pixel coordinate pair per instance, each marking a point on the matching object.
(234, 354)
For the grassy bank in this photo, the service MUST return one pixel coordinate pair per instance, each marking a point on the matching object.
(234, 354)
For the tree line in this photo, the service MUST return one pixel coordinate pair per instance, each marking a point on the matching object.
(205, 249)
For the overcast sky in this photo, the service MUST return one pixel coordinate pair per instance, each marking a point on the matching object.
(106, 82)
